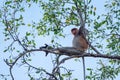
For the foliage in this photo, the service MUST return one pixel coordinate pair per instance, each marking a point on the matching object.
(57, 15)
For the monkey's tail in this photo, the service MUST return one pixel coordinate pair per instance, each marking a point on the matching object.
(84, 73)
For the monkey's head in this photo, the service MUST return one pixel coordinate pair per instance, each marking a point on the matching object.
(74, 31)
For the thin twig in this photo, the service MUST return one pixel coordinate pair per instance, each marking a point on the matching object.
(10, 69)
(62, 61)
(39, 69)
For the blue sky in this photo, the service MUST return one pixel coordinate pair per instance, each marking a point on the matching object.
(38, 58)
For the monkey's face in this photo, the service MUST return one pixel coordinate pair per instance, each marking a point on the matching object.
(74, 31)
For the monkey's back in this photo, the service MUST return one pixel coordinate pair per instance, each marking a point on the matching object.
(79, 43)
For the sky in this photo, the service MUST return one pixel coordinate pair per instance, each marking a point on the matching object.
(38, 58)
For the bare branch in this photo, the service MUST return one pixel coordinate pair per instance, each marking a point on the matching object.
(94, 48)
(40, 69)
(20, 43)
(85, 10)
(62, 61)
(80, 14)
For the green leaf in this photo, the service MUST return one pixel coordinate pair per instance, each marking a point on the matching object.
(90, 11)
(18, 51)
(38, 71)
(22, 9)
(29, 25)
(88, 77)
(8, 2)
(113, 3)
(28, 34)
(28, 0)
(75, 79)
(11, 60)
(29, 42)
(5, 50)
(98, 17)
(89, 69)
(94, 13)
(73, 8)
(44, 79)
(89, 1)
(29, 60)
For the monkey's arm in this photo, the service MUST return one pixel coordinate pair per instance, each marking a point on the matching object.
(83, 43)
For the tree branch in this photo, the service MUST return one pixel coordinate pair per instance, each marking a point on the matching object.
(70, 51)
(80, 14)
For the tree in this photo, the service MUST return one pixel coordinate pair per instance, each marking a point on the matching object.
(57, 16)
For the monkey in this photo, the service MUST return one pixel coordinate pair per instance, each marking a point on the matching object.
(80, 43)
